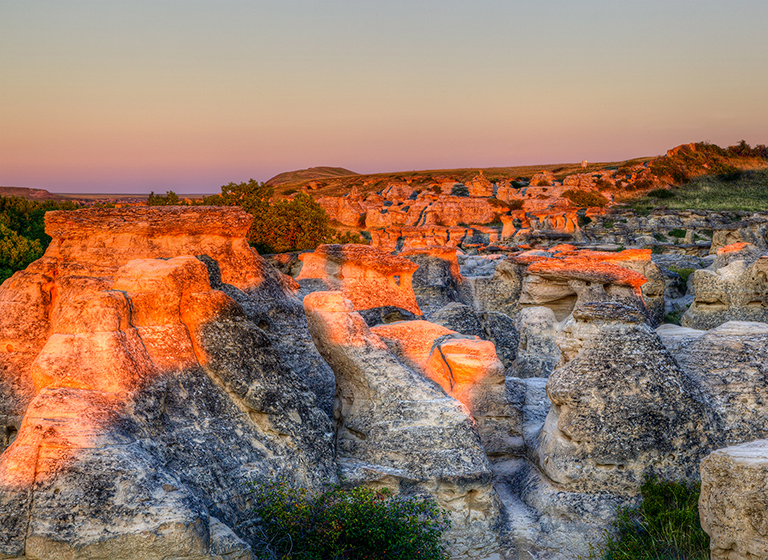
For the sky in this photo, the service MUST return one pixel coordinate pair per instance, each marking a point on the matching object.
(132, 96)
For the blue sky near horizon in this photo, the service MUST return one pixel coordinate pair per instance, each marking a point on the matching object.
(133, 96)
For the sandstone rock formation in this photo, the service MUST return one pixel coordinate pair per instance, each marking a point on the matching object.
(538, 353)
(621, 410)
(371, 279)
(467, 369)
(143, 400)
(734, 501)
(398, 429)
(438, 280)
(729, 364)
(735, 287)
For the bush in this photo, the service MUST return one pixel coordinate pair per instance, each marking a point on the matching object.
(585, 198)
(684, 273)
(339, 524)
(460, 190)
(665, 526)
(661, 194)
(677, 232)
(22, 231)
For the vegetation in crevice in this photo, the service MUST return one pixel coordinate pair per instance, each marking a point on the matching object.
(665, 526)
(345, 524)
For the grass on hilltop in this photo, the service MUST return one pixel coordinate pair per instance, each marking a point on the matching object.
(740, 191)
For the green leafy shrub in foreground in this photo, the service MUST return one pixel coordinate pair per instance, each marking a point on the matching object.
(664, 527)
(338, 524)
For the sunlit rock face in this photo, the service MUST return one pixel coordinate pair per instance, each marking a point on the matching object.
(734, 501)
(563, 283)
(734, 288)
(371, 279)
(142, 399)
(395, 428)
(467, 369)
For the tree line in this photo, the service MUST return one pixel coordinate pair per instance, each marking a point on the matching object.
(22, 231)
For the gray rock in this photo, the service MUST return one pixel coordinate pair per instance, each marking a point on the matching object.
(538, 353)
(729, 364)
(622, 410)
(734, 501)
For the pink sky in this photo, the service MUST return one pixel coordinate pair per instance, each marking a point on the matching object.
(133, 96)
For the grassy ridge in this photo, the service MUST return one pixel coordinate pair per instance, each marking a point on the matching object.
(743, 191)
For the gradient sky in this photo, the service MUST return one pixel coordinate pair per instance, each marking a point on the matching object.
(133, 96)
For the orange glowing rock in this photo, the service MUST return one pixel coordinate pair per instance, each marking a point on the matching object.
(368, 277)
(587, 270)
(458, 363)
(732, 248)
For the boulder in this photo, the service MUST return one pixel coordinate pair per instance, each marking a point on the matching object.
(622, 410)
(397, 429)
(733, 505)
(734, 288)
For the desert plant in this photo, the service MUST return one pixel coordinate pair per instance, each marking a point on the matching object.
(684, 273)
(664, 527)
(338, 524)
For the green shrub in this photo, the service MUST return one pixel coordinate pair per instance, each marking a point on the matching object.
(664, 526)
(608, 224)
(585, 198)
(339, 524)
(660, 237)
(661, 194)
(679, 233)
(684, 273)
(543, 183)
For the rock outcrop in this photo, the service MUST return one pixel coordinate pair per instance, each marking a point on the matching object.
(734, 501)
(621, 410)
(734, 288)
(729, 364)
(397, 429)
(378, 284)
(143, 400)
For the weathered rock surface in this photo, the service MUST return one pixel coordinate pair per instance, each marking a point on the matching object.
(467, 369)
(369, 278)
(734, 501)
(143, 398)
(397, 429)
(538, 353)
(438, 280)
(621, 410)
(734, 288)
(730, 366)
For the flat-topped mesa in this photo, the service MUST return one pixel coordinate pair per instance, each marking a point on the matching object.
(369, 278)
(100, 240)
